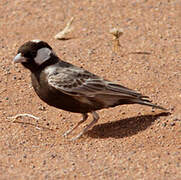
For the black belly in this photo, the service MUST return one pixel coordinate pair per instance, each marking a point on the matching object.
(56, 98)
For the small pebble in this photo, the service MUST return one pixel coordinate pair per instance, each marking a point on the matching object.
(42, 108)
(172, 124)
(53, 156)
(172, 108)
(14, 77)
(44, 162)
(164, 124)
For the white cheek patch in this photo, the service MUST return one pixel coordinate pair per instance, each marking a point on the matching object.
(43, 54)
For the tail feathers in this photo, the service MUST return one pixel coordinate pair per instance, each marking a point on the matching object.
(128, 96)
(147, 102)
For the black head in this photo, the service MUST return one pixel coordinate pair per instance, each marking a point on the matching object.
(35, 54)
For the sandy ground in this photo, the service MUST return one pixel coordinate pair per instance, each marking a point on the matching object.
(128, 142)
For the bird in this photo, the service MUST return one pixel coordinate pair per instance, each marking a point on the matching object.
(65, 86)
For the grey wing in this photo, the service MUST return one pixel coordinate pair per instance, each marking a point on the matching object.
(76, 82)
(83, 83)
(89, 88)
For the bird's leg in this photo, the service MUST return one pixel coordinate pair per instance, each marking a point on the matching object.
(85, 116)
(95, 119)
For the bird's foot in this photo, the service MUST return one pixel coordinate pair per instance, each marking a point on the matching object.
(85, 116)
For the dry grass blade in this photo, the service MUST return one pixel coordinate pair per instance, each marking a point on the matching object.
(62, 34)
(23, 115)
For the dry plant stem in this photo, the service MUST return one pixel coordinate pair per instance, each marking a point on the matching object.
(22, 115)
(62, 34)
(116, 34)
(116, 45)
(140, 52)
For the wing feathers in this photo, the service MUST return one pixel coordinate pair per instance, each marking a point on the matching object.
(82, 84)
(77, 83)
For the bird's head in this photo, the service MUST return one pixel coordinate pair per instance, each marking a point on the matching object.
(34, 54)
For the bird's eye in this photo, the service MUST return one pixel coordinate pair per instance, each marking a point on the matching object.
(29, 54)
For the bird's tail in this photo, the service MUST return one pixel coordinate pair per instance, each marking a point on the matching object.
(144, 101)
(118, 95)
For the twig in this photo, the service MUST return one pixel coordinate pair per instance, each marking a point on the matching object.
(22, 115)
(61, 35)
(139, 52)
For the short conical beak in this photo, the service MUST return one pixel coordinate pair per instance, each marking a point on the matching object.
(19, 58)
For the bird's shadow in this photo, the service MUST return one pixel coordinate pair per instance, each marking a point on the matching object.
(124, 127)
